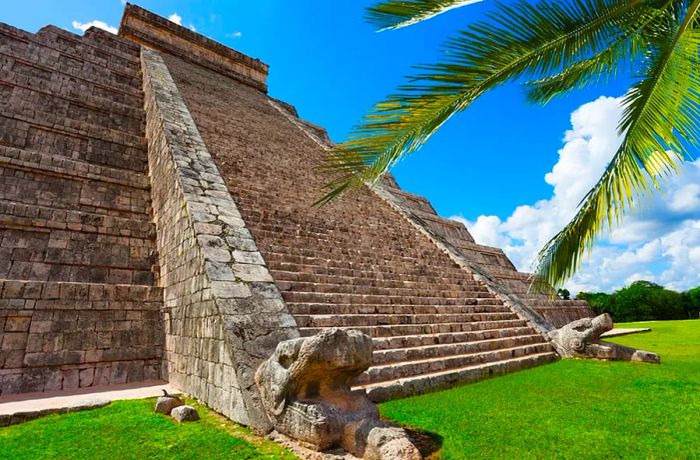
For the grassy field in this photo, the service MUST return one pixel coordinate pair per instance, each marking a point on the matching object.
(575, 408)
(130, 430)
(569, 409)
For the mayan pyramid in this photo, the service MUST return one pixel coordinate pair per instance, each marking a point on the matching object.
(156, 222)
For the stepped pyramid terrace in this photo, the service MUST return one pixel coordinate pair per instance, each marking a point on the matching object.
(157, 223)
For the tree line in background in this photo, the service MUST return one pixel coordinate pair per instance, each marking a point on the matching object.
(644, 301)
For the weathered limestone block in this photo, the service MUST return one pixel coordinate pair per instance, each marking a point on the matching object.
(305, 389)
(166, 403)
(580, 339)
(185, 414)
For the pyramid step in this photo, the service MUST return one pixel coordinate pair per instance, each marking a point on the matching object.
(419, 329)
(90, 111)
(43, 116)
(13, 214)
(361, 289)
(348, 268)
(33, 243)
(557, 302)
(398, 388)
(60, 140)
(70, 53)
(319, 251)
(347, 244)
(51, 290)
(331, 231)
(43, 58)
(96, 45)
(113, 44)
(58, 165)
(36, 76)
(366, 277)
(427, 298)
(398, 355)
(419, 340)
(355, 309)
(390, 261)
(40, 187)
(405, 369)
(364, 320)
(282, 277)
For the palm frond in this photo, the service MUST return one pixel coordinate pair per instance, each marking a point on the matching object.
(661, 114)
(394, 14)
(518, 40)
(603, 66)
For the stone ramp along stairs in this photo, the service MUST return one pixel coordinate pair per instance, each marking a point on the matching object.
(78, 302)
(357, 263)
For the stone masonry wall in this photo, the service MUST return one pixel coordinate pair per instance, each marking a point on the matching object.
(78, 306)
(224, 315)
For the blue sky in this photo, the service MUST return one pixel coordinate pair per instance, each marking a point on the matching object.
(483, 166)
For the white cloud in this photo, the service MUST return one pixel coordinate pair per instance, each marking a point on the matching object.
(238, 34)
(96, 23)
(176, 18)
(661, 243)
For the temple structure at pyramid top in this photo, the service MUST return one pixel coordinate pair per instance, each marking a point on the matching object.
(156, 223)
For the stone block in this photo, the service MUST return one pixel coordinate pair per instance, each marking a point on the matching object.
(185, 414)
(14, 341)
(119, 373)
(87, 377)
(17, 323)
(252, 273)
(71, 379)
(166, 403)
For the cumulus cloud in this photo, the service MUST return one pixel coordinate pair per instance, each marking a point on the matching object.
(235, 35)
(96, 23)
(660, 243)
(177, 19)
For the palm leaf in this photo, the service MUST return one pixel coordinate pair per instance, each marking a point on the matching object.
(515, 41)
(661, 114)
(394, 14)
(604, 66)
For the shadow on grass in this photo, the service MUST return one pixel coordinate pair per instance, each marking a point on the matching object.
(428, 443)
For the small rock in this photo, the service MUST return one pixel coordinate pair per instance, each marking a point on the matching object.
(185, 414)
(166, 403)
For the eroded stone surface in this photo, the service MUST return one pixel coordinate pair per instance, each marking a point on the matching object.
(223, 315)
(79, 304)
(185, 414)
(166, 404)
(305, 389)
(580, 339)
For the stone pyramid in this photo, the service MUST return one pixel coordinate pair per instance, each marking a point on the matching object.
(156, 222)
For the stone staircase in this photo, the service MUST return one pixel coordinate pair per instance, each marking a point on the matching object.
(78, 306)
(357, 263)
(489, 261)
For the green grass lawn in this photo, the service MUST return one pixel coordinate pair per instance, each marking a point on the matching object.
(572, 408)
(575, 408)
(131, 430)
